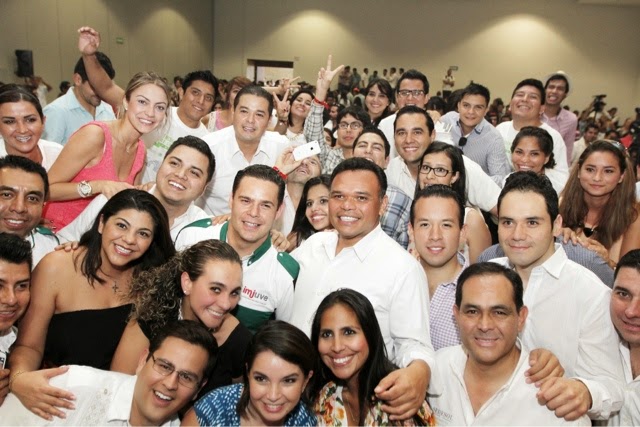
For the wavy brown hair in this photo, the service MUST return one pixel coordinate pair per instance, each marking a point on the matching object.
(621, 209)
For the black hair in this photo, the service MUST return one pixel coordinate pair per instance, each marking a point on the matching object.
(630, 260)
(301, 225)
(198, 145)
(414, 109)
(557, 76)
(355, 112)
(15, 250)
(440, 191)
(264, 173)
(15, 93)
(476, 89)
(258, 91)
(385, 88)
(105, 63)
(545, 142)
(530, 181)
(295, 96)
(26, 165)
(436, 103)
(414, 75)
(534, 83)
(202, 75)
(362, 164)
(457, 165)
(491, 269)
(375, 130)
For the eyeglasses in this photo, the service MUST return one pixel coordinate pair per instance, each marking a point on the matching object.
(352, 125)
(164, 368)
(462, 141)
(415, 93)
(439, 172)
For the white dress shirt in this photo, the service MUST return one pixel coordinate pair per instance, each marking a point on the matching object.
(379, 268)
(230, 160)
(629, 415)
(569, 316)
(514, 404)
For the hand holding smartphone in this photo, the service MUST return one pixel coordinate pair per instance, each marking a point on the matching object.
(306, 150)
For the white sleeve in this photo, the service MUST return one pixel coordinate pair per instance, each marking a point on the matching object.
(83, 222)
(482, 191)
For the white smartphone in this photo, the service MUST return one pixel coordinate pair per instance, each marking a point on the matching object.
(306, 150)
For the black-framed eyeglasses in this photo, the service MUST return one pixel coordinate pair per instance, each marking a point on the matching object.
(164, 368)
(462, 141)
(415, 93)
(439, 172)
(352, 125)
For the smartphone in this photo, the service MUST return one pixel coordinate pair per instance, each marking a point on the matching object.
(306, 150)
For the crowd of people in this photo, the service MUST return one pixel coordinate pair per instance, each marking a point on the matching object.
(440, 261)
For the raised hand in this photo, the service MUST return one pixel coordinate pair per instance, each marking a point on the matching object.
(88, 40)
(325, 77)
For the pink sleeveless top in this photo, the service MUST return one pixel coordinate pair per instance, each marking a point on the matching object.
(62, 213)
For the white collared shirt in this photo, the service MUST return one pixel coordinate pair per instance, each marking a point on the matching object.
(103, 398)
(515, 403)
(482, 191)
(569, 316)
(380, 269)
(230, 160)
(49, 150)
(41, 245)
(629, 415)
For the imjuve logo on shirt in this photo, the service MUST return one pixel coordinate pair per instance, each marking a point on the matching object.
(253, 294)
(440, 414)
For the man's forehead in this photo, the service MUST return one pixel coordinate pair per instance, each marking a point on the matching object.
(15, 178)
(557, 83)
(249, 186)
(257, 102)
(189, 155)
(413, 119)
(349, 118)
(203, 86)
(528, 89)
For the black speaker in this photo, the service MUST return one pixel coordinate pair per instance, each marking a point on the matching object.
(25, 63)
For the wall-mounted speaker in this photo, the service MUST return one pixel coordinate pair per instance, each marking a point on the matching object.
(25, 63)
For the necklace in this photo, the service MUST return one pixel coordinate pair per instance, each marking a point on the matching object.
(115, 287)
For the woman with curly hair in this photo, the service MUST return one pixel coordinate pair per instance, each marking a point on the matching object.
(201, 283)
(598, 204)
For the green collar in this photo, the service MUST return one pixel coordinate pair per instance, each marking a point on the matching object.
(44, 231)
(257, 254)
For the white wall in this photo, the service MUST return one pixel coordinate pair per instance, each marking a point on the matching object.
(168, 36)
(496, 43)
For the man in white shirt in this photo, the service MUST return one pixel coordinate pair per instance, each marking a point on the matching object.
(187, 168)
(414, 131)
(590, 135)
(527, 101)
(360, 256)
(24, 187)
(625, 314)
(568, 304)
(152, 397)
(15, 294)
(245, 143)
(482, 381)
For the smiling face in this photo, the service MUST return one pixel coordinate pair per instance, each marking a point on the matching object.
(254, 209)
(349, 129)
(212, 295)
(301, 106)
(625, 305)
(182, 176)
(15, 293)
(525, 230)
(528, 156)
(250, 118)
(526, 103)
(412, 137)
(355, 205)
(126, 236)
(146, 108)
(556, 92)
(21, 127)
(21, 201)
(410, 99)
(275, 388)
(376, 102)
(342, 344)
(158, 398)
(437, 163)
(317, 207)
(488, 320)
(472, 109)
(600, 174)
(371, 147)
(196, 102)
(309, 168)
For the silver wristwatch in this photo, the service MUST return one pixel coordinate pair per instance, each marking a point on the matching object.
(84, 189)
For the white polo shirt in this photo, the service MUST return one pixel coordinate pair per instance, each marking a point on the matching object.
(230, 160)
(629, 415)
(49, 150)
(482, 191)
(569, 316)
(380, 269)
(268, 278)
(42, 242)
(514, 404)
(103, 398)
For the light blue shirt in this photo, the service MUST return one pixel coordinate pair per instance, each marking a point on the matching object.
(65, 115)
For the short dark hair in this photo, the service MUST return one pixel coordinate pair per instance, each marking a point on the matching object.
(491, 269)
(192, 332)
(442, 192)
(198, 145)
(264, 173)
(355, 112)
(104, 61)
(592, 125)
(535, 83)
(255, 90)
(414, 75)
(557, 76)
(362, 164)
(630, 260)
(476, 89)
(545, 142)
(15, 250)
(26, 165)
(530, 181)
(375, 130)
(414, 109)
(454, 154)
(203, 75)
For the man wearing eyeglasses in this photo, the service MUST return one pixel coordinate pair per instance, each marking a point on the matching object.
(475, 136)
(170, 374)
(350, 121)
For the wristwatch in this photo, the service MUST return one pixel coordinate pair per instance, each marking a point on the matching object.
(84, 189)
